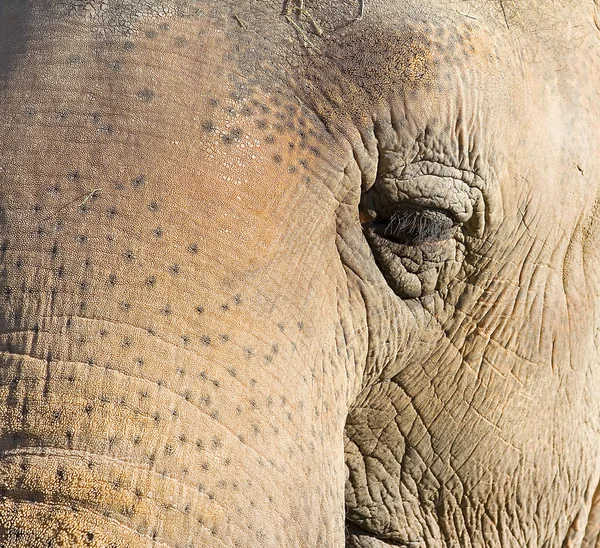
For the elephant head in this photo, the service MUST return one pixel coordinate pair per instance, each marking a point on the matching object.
(299, 274)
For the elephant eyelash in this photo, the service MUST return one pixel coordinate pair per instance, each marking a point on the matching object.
(415, 226)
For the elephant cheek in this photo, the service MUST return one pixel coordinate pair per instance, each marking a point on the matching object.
(162, 377)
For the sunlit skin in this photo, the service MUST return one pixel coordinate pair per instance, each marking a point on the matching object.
(299, 274)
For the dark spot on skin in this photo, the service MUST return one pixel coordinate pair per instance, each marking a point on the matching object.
(82, 239)
(180, 41)
(174, 269)
(166, 310)
(153, 206)
(225, 307)
(205, 339)
(115, 65)
(129, 46)
(200, 309)
(261, 124)
(73, 176)
(270, 139)
(129, 256)
(233, 136)
(208, 127)
(74, 59)
(164, 26)
(237, 299)
(111, 212)
(292, 169)
(157, 232)
(193, 248)
(139, 181)
(146, 95)
(151, 34)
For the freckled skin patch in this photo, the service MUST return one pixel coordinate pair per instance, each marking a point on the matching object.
(128, 218)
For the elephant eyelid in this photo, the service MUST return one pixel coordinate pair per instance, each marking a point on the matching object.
(413, 225)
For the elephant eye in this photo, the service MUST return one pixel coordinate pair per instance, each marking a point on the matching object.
(413, 225)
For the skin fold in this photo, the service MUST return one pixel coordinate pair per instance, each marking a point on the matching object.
(299, 274)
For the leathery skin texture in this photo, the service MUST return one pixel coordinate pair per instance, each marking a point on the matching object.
(299, 274)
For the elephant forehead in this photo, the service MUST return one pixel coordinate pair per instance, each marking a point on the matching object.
(118, 17)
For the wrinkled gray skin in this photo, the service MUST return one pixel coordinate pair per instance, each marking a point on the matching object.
(310, 274)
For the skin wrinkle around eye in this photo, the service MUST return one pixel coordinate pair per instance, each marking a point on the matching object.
(461, 201)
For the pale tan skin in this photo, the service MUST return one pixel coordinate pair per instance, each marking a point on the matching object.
(203, 342)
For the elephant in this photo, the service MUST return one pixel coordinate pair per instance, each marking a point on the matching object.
(299, 273)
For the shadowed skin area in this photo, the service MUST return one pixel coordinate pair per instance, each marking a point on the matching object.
(310, 274)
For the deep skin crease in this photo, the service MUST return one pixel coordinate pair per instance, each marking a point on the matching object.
(218, 327)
